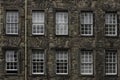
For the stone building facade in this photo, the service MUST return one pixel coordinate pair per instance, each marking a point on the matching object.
(98, 44)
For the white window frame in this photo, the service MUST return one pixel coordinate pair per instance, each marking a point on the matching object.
(110, 20)
(89, 61)
(38, 22)
(61, 55)
(12, 18)
(108, 63)
(86, 20)
(61, 23)
(38, 55)
(10, 58)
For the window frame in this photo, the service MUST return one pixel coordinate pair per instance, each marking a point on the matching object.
(9, 12)
(91, 63)
(17, 62)
(111, 24)
(67, 53)
(66, 24)
(40, 51)
(116, 63)
(84, 24)
(40, 12)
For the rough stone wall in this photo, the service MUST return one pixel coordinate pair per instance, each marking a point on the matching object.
(74, 41)
(9, 41)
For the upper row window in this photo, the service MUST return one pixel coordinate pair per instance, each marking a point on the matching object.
(86, 23)
(38, 23)
(12, 22)
(111, 24)
(61, 23)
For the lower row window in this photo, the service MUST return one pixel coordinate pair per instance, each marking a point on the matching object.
(61, 61)
(111, 62)
(11, 61)
(86, 62)
(38, 62)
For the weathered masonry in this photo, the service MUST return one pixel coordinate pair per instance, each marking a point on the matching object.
(59, 40)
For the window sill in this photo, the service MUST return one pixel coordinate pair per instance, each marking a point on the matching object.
(37, 74)
(87, 75)
(86, 36)
(34, 35)
(111, 75)
(38, 33)
(62, 74)
(12, 74)
(62, 35)
(111, 36)
(12, 35)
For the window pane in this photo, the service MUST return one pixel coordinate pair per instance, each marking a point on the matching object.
(38, 29)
